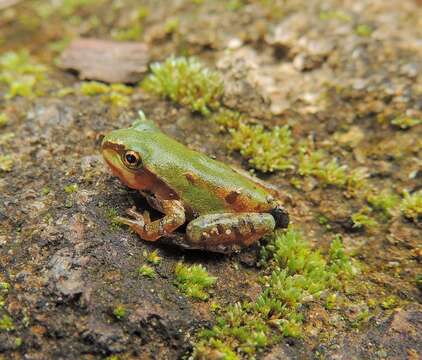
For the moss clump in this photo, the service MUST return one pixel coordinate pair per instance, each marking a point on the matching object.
(146, 271)
(228, 119)
(384, 201)
(405, 122)
(194, 280)
(6, 163)
(133, 32)
(69, 7)
(3, 120)
(112, 215)
(329, 172)
(71, 188)
(93, 88)
(411, 205)
(187, 82)
(18, 342)
(6, 323)
(115, 94)
(267, 151)
(4, 286)
(389, 302)
(335, 14)
(152, 257)
(119, 312)
(364, 30)
(317, 164)
(20, 74)
(361, 220)
(295, 275)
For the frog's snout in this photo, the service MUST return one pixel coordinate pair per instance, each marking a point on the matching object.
(281, 217)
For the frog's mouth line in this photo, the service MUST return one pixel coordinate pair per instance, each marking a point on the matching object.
(119, 148)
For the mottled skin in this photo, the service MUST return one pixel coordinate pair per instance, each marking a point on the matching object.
(224, 208)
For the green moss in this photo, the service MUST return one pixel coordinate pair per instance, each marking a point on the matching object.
(4, 287)
(235, 5)
(146, 271)
(18, 342)
(65, 92)
(133, 32)
(194, 280)
(418, 281)
(389, 302)
(364, 30)
(187, 82)
(6, 137)
(112, 215)
(294, 275)
(331, 301)
(21, 74)
(326, 169)
(362, 318)
(385, 201)
(6, 163)
(329, 172)
(45, 190)
(93, 88)
(216, 349)
(69, 7)
(152, 257)
(411, 205)
(405, 122)
(3, 120)
(115, 94)
(121, 89)
(335, 14)
(71, 188)
(172, 25)
(339, 262)
(120, 312)
(6, 323)
(58, 46)
(266, 150)
(112, 357)
(228, 119)
(361, 220)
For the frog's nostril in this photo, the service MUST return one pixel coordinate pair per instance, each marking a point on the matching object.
(281, 217)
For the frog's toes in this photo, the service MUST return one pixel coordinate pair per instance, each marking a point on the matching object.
(133, 213)
(126, 221)
(146, 217)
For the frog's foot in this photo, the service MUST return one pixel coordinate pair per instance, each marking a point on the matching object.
(227, 232)
(152, 230)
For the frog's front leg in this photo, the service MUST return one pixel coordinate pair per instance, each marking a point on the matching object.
(216, 231)
(151, 231)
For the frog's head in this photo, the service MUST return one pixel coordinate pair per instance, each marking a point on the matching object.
(127, 154)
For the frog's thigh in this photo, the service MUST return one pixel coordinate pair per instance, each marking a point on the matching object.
(229, 228)
(174, 217)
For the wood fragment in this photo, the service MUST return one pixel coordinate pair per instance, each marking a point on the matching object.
(108, 61)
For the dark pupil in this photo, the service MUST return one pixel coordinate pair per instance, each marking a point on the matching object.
(131, 159)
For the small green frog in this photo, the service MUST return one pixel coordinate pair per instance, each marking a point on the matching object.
(224, 208)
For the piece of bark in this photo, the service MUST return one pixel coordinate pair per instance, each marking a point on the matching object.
(8, 3)
(108, 61)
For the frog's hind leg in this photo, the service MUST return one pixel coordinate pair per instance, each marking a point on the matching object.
(216, 232)
(153, 230)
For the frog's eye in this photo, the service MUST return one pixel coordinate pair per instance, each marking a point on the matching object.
(132, 159)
